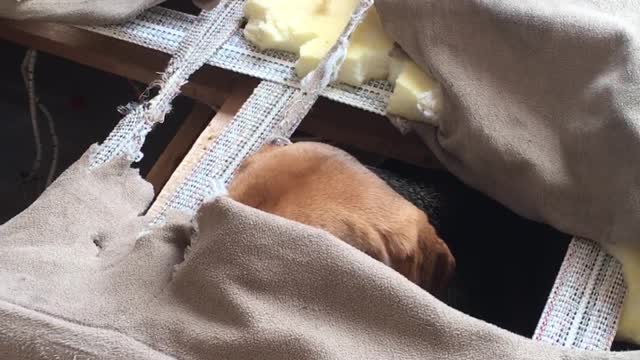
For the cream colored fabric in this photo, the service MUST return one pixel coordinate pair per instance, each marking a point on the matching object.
(81, 12)
(542, 104)
(82, 275)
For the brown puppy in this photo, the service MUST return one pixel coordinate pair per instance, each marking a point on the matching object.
(322, 186)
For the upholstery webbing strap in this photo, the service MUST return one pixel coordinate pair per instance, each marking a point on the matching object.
(209, 32)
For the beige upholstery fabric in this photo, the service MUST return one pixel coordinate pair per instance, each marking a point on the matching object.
(543, 104)
(82, 275)
(81, 12)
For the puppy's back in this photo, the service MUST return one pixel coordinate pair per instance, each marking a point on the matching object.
(322, 186)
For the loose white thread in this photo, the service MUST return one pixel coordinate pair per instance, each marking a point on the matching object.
(27, 69)
(28, 76)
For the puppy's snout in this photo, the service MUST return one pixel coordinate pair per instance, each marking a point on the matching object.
(438, 266)
(443, 269)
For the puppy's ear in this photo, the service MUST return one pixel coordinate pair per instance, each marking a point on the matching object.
(438, 264)
(419, 254)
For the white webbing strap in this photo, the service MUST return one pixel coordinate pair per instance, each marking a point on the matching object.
(210, 31)
(162, 29)
(583, 307)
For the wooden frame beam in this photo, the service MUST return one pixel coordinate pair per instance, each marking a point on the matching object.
(114, 56)
(212, 86)
(179, 146)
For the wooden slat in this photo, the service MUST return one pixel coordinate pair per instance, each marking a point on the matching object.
(366, 131)
(179, 146)
(131, 61)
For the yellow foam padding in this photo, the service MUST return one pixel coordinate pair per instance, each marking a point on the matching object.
(629, 325)
(309, 28)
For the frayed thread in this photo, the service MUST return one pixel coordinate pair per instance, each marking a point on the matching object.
(217, 189)
(129, 108)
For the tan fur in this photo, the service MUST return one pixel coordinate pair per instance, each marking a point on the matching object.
(322, 186)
